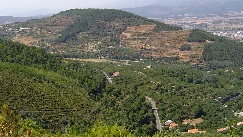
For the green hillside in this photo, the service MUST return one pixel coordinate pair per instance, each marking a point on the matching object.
(115, 34)
(89, 33)
(34, 84)
(105, 24)
(218, 52)
(223, 54)
(56, 97)
(66, 94)
(96, 33)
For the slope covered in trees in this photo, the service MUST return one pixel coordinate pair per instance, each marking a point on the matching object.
(202, 36)
(76, 94)
(65, 95)
(89, 33)
(113, 34)
(106, 23)
(223, 54)
(218, 52)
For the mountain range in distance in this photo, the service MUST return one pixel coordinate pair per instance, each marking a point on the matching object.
(198, 8)
(24, 15)
(160, 9)
(11, 19)
(172, 3)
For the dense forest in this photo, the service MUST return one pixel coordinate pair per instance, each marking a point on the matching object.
(218, 52)
(223, 54)
(105, 23)
(203, 36)
(73, 97)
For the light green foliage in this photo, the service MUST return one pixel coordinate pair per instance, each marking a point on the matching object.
(9, 123)
(30, 128)
(102, 130)
(167, 133)
(234, 130)
(72, 96)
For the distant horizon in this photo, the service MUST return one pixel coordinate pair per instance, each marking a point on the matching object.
(28, 8)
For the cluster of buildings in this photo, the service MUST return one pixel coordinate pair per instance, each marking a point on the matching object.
(172, 125)
(228, 24)
(231, 34)
(226, 128)
(169, 124)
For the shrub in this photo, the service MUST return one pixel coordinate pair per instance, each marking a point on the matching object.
(185, 47)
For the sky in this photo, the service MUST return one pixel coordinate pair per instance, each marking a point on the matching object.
(15, 7)
(44, 7)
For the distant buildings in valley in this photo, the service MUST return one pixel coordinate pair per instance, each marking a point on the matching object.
(227, 25)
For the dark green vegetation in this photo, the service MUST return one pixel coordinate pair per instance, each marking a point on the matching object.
(19, 53)
(70, 97)
(223, 54)
(62, 94)
(203, 36)
(218, 52)
(105, 23)
(103, 28)
(185, 47)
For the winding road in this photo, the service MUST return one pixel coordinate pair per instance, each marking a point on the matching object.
(154, 108)
(107, 77)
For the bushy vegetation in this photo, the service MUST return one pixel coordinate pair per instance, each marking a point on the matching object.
(82, 33)
(105, 23)
(218, 52)
(203, 36)
(75, 95)
(223, 54)
(185, 47)
(14, 52)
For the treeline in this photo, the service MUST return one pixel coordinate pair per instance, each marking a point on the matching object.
(15, 52)
(203, 36)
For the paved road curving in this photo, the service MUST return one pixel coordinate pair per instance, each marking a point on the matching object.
(107, 77)
(154, 108)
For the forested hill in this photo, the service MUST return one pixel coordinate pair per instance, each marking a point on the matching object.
(106, 23)
(90, 33)
(69, 97)
(115, 34)
(44, 88)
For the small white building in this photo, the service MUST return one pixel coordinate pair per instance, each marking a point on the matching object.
(23, 29)
(238, 114)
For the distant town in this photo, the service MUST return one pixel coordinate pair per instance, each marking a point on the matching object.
(229, 24)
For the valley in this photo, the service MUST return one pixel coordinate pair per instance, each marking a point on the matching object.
(227, 24)
(90, 72)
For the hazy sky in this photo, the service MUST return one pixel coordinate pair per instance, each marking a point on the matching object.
(43, 7)
(67, 4)
(21, 6)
